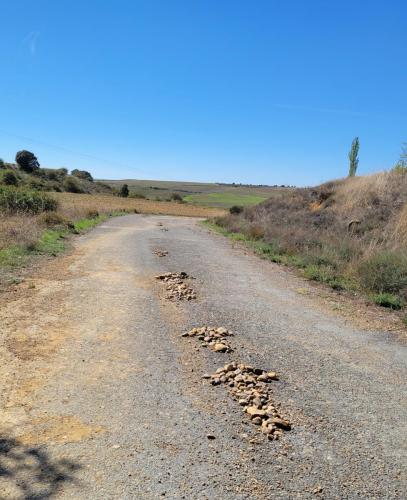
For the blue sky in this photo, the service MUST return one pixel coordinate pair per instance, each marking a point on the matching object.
(211, 90)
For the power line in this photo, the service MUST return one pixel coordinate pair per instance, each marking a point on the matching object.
(71, 151)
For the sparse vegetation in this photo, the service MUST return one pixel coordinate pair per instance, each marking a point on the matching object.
(350, 234)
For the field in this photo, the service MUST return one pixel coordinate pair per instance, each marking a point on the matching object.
(224, 200)
(204, 194)
(75, 206)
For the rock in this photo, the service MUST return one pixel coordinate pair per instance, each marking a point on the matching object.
(257, 420)
(272, 375)
(210, 436)
(221, 330)
(220, 348)
(280, 422)
(255, 412)
(206, 375)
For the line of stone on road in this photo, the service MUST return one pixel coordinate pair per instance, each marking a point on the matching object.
(214, 338)
(176, 287)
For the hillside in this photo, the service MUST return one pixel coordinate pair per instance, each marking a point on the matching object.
(350, 234)
(51, 179)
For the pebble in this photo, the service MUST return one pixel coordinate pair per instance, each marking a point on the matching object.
(251, 388)
(176, 288)
(214, 338)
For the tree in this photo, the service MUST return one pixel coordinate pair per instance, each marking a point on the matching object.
(82, 174)
(27, 161)
(354, 157)
(2, 165)
(403, 156)
(124, 191)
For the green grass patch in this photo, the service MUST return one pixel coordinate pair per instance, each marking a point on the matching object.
(51, 242)
(388, 300)
(14, 256)
(83, 225)
(224, 200)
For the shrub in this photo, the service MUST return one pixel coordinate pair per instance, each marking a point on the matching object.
(71, 185)
(384, 272)
(236, 209)
(2, 164)
(388, 300)
(53, 219)
(14, 200)
(27, 161)
(405, 320)
(82, 174)
(175, 197)
(256, 232)
(139, 196)
(92, 214)
(9, 178)
(124, 191)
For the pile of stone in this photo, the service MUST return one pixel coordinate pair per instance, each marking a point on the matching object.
(176, 288)
(214, 338)
(161, 253)
(250, 387)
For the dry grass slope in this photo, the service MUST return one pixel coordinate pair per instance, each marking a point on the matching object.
(350, 233)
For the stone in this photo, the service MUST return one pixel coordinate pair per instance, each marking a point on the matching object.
(220, 348)
(255, 412)
(280, 422)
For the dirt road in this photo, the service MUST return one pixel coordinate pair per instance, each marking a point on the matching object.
(102, 398)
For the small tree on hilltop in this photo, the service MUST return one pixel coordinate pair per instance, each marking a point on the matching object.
(2, 165)
(124, 191)
(82, 174)
(354, 157)
(27, 161)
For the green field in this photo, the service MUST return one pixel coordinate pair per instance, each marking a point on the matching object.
(224, 200)
(200, 193)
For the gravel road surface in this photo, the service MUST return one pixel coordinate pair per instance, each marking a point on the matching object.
(116, 406)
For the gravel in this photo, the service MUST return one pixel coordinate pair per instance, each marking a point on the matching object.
(167, 430)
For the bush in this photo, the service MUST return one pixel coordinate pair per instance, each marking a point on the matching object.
(9, 178)
(384, 272)
(236, 210)
(82, 174)
(138, 196)
(14, 200)
(124, 191)
(388, 300)
(92, 214)
(71, 185)
(175, 197)
(27, 161)
(54, 219)
(2, 164)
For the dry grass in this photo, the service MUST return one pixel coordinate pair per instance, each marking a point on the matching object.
(21, 230)
(74, 206)
(24, 230)
(335, 231)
